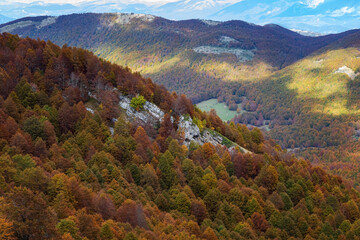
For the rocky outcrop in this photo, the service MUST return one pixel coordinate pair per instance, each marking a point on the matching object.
(22, 24)
(191, 132)
(210, 22)
(90, 110)
(12, 27)
(348, 71)
(227, 39)
(150, 114)
(126, 18)
(46, 22)
(241, 54)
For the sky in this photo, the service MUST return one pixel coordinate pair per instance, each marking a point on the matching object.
(323, 16)
(79, 2)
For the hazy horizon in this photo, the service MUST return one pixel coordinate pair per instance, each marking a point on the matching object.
(323, 16)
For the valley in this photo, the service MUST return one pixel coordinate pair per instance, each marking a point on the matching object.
(90, 150)
(134, 126)
(221, 109)
(298, 89)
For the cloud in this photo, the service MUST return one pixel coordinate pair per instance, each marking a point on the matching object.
(342, 11)
(228, 1)
(201, 5)
(313, 3)
(78, 2)
(275, 10)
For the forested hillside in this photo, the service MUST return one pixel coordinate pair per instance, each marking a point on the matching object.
(192, 57)
(313, 107)
(302, 91)
(65, 175)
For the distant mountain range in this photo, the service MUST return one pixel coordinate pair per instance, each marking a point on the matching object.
(311, 15)
(191, 56)
(4, 19)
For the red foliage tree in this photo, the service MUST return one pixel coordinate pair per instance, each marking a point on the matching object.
(260, 222)
(132, 213)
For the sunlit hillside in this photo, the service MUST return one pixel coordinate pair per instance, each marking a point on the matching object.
(327, 79)
(313, 107)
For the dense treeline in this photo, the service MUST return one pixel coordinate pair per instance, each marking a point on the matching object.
(142, 44)
(162, 50)
(63, 175)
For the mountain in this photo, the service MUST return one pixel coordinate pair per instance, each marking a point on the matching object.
(4, 19)
(18, 9)
(188, 9)
(265, 76)
(316, 16)
(330, 16)
(193, 57)
(89, 149)
(315, 103)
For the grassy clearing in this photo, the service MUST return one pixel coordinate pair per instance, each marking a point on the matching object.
(221, 109)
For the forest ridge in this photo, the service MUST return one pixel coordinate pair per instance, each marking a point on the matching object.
(268, 74)
(64, 175)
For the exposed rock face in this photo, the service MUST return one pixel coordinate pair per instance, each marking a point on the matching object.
(90, 110)
(126, 18)
(12, 27)
(227, 39)
(111, 129)
(191, 132)
(241, 54)
(46, 22)
(151, 113)
(110, 20)
(206, 136)
(210, 22)
(348, 71)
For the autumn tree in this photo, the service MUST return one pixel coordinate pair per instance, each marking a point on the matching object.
(259, 221)
(166, 127)
(183, 203)
(6, 229)
(268, 178)
(30, 215)
(132, 213)
(68, 117)
(168, 175)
